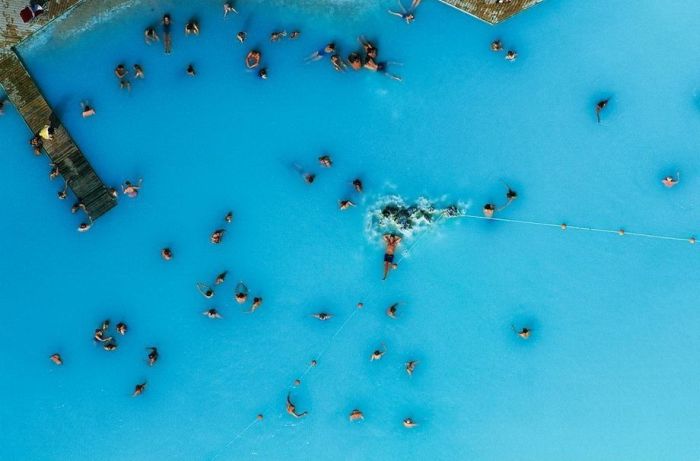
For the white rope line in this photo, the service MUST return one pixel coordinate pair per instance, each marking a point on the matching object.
(581, 228)
(237, 436)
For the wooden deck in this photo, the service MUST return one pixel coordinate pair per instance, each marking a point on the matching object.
(491, 11)
(72, 165)
(13, 30)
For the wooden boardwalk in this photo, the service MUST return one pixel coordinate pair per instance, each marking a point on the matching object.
(72, 165)
(13, 30)
(491, 11)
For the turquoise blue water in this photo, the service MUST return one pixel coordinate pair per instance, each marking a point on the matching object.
(609, 371)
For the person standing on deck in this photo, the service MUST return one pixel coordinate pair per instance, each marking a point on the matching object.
(392, 241)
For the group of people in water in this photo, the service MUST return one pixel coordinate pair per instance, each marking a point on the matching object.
(108, 342)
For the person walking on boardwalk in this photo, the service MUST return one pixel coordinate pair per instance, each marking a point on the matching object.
(392, 241)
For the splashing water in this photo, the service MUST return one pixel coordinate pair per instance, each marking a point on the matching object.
(391, 214)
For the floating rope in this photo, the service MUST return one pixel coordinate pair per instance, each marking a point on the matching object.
(564, 226)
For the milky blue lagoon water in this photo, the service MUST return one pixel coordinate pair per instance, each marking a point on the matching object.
(610, 369)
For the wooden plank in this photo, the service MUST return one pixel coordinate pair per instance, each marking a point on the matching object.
(62, 150)
(491, 11)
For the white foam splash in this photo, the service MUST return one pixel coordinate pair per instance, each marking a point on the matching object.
(391, 214)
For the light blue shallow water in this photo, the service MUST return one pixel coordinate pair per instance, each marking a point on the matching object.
(609, 371)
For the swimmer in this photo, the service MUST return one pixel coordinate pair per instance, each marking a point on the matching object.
(37, 143)
(392, 241)
(131, 190)
(325, 161)
(355, 61)
(356, 415)
(496, 46)
(212, 314)
(229, 217)
(322, 316)
(62, 194)
(309, 178)
(670, 181)
(292, 409)
(252, 59)
(192, 28)
(381, 67)
(191, 70)
(150, 35)
(241, 293)
(410, 366)
(277, 36)
(124, 85)
(241, 36)
(120, 71)
(409, 423)
(319, 54)
(257, 302)
(600, 105)
(524, 332)
(313, 363)
(152, 356)
(138, 389)
(337, 63)
(360, 305)
(205, 290)
(167, 40)
(489, 209)
(2, 106)
(378, 354)
(105, 325)
(85, 226)
(345, 204)
(228, 8)
(220, 278)
(122, 328)
(87, 110)
(406, 15)
(262, 73)
(166, 253)
(357, 184)
(295, 34)
(370, 50)
(99, 336)
(297, 382)
(391, 310)
(511, 55)
(259, 417)
(53, 173)
(138, 71)
(216, 236)
(79, 205)
(110, 346)
(56, 358)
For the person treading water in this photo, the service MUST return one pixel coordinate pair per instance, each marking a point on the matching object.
(392, 241)
(407, 15)
(241, 293)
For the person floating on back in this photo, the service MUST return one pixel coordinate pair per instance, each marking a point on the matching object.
(406, 15)
(167, 39)
(392, 241)
(600, 105)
